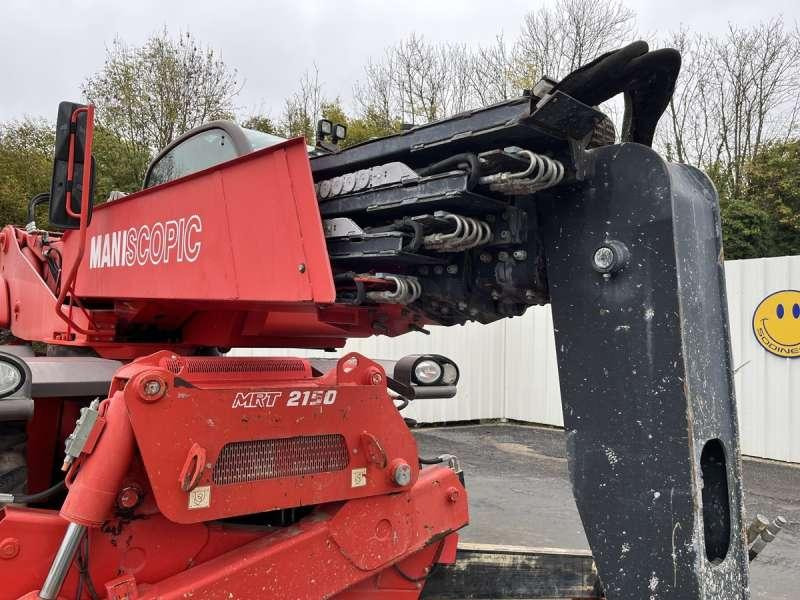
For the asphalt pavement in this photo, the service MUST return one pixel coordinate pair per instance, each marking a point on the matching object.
(520, 495)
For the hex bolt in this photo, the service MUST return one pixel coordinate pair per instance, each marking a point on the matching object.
(401, 474)
(603, 258)
(502, 256)
(505, 234)
(520, 255)
(129, 497)
(610, 258)
(376, 378)
(301, 267)
(452, 269)
(486, 258)
(462, 305)
(438, 269)
(759, 524)
(152, 387)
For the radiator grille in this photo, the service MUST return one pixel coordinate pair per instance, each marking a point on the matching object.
(236, 365)
(255, 460)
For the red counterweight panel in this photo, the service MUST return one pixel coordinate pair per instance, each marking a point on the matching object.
(225, 436)
(245, 230)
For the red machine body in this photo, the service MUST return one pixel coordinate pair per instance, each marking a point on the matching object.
(205, 476)
(185, 442)
(232, 256)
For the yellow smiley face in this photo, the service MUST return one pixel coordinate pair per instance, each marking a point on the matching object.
(776, 323)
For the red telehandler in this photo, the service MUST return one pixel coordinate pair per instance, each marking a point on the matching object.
(188, 474)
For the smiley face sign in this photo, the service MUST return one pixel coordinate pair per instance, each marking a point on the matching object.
(776, 323)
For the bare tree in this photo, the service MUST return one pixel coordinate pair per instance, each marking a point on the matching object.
(491, 75)
(736, 93)
(557, 40)
(417, 82)
(755, 72)
(376, 96)
(304, 107)
(687, 133)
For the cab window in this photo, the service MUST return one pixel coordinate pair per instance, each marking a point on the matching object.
(201, 151)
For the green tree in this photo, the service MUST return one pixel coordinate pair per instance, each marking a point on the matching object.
(773, 185)
(26, 166)
(119, 165)
(148, 95)
(261, 123)
(359, 129)
(747, 230)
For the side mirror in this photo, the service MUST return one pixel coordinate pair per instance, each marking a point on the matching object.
(73, 149)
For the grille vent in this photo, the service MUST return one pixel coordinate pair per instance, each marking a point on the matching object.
(257, 460)
(211, 365)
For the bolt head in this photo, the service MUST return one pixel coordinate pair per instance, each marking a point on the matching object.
(452, 269)
(503, 255)
(603, 258)
(301, 267)
(438, 269)
(520, 255)
(9, 548)
(376, 378)
(453, 495)
(401, 474)
(486, 258)
(129, 497)
(152, 387)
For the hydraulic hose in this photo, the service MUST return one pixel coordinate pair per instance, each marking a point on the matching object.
(456, 161)
(31, 498)
(34, 202)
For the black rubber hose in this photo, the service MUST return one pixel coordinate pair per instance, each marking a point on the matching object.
(456, 161)
(430, 461)
(34, 202)
(39, 496)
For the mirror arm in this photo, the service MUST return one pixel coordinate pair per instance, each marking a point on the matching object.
(83, 215)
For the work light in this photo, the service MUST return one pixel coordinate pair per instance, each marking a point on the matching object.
(324, 127)
(11, 377)
(427, 371)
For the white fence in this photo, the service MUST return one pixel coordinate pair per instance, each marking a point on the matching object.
(509, 368)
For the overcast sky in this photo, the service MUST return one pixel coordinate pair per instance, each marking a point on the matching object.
(47, 47)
